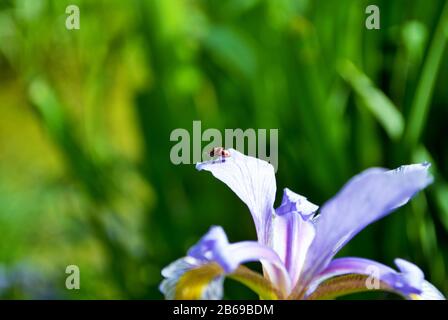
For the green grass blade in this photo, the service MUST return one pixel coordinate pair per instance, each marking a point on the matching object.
(425, 87)
(372, 98)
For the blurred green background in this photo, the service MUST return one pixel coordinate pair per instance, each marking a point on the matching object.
(86, 115)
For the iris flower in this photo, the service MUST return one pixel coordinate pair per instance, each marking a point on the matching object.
(297, 241)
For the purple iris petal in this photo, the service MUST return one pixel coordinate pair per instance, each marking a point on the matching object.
(214, 241)
(173, 272)
(410, 279)
(429, 292)
(253, 181)
(292, 232)
(214, 247)
(293, 202)
(296, 248)
(366, 198)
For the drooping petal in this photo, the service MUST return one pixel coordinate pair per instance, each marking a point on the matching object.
(210, 246)
(214, 249)
(366, 198)
(205, 281)
(293, 232)
(253, 180)
(429, 292)
(188, 278)
(408, 282)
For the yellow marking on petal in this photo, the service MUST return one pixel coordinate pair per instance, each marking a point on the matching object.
(414, 296)
(192, 283)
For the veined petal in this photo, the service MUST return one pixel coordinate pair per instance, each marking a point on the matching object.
(253, 181)
(366, 198)
(408, 282)
(292, 232)
(214, 249)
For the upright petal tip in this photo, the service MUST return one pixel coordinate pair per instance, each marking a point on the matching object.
(221, 159)
(233, 156)
(252, 180)
(293, 202)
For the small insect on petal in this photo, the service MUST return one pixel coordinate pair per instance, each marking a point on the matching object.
(219, 151)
